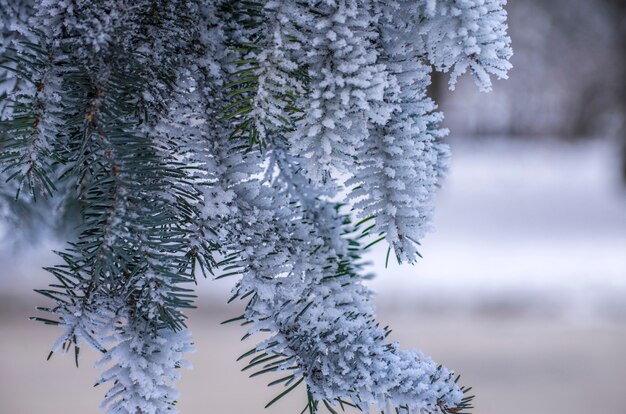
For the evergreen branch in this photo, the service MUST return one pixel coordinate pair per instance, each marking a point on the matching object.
(201, 136)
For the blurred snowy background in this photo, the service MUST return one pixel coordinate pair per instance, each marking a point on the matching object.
(522, 288)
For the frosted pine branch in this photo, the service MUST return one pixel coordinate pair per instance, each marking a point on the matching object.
(145, 366)
(466, 35)
(345, 83)
(238, 139)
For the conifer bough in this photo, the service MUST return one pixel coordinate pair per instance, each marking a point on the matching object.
(272, 141)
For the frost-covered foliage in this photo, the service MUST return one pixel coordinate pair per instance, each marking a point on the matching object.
(25, 218)
(220, 137)
(11, 14)
(144, 368)
(346, 83)
(466, 35)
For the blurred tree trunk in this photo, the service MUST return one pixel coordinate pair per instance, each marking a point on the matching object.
(437, 87)
(619, 13)
(621, 16)
(622, 84)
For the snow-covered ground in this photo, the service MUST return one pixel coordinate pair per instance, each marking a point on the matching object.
(518, 223)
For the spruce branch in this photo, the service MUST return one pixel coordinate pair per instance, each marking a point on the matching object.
(220, 137)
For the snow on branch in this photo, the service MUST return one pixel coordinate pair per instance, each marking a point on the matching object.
(239, 139)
